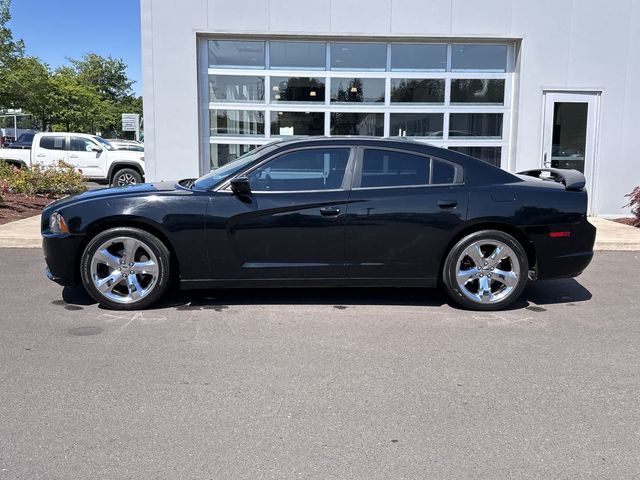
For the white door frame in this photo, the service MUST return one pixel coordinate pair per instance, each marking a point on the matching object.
(592, 99)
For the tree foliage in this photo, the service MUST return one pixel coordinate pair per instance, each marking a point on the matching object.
(88, 95)
(10, 49)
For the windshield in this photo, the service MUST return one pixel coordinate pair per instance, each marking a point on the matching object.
(219, 175)
(104, 143)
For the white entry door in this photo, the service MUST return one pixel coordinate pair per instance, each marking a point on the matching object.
(569, 137)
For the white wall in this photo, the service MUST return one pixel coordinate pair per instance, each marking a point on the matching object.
(587, 44)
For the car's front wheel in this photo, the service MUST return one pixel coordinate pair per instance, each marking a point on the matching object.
(486, 270)
(125, 268)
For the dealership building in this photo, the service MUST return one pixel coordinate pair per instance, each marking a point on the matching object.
(519, 84)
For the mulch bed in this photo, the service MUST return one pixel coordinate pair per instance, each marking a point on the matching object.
(626, 221)
(16, 207)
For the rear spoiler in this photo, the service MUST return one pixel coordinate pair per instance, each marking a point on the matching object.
(571, 179)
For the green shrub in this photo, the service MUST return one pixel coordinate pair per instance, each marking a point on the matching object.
(6, 170)
(60, 179)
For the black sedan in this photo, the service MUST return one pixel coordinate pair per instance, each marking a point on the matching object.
(326, 212)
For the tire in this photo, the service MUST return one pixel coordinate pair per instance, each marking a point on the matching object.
(500, 279)
(110, 281)
(125, 176)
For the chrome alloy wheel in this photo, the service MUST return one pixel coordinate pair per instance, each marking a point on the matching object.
(126, 179)
(487, 271)
(124, 269)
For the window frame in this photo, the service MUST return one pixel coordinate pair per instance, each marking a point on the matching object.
(346, 180)
(357, 174)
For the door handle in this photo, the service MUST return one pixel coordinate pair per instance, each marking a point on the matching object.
(544, 160)
(73, 156)
(41, 155)
(330, 211)
(447, 203)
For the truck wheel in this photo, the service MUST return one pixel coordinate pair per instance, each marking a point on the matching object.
(124, 177)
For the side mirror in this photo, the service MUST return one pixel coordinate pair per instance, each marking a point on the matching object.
(240, 186)
(96, 149)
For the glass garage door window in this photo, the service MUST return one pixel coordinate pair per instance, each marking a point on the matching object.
(454, 95)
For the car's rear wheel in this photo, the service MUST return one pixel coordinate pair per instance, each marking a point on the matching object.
(125, 268)
(126, 176)
(486, 270)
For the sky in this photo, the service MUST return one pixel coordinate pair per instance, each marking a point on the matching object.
(55, 30)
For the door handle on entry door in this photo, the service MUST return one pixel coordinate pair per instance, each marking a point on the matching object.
(447, 203)
(544, 160)
(329, 211)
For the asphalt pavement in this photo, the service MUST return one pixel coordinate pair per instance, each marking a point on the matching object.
(326, 384)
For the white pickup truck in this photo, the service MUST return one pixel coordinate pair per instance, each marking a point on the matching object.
(94, 157)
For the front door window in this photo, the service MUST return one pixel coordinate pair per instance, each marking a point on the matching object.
(302, 170)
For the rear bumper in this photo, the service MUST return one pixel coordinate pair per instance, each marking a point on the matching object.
(61, 253)
(564, 256)
(564, 266)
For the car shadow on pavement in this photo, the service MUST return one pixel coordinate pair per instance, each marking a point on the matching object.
(549, 292)
(542, 293)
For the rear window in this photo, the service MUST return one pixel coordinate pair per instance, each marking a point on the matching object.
(52, 142)
(442, 173)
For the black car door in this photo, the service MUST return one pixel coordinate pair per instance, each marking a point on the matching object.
(402, 210)
(291, 225)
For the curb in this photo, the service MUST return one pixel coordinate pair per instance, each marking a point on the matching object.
(23, 233)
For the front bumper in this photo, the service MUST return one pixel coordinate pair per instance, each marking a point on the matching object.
(62, 255)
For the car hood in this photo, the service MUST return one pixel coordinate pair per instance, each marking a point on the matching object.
(140, 190)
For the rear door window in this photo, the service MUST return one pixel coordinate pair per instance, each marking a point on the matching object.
(390, 168)
(52, 142)
(394, 168)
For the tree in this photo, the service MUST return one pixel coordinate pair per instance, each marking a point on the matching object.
(106, 74)
(10, 49)
(89, 95)
(27, 85)
(76, 107)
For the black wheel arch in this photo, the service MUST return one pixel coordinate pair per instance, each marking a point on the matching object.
(115, 167)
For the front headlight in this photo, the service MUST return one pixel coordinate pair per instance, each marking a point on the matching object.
(57, 223)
